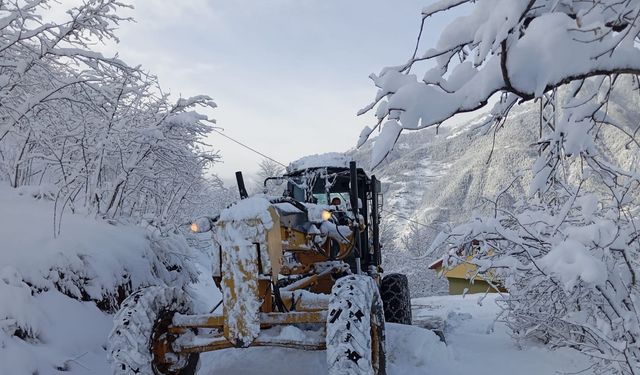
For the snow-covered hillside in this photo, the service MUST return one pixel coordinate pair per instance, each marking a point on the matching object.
(438, 180)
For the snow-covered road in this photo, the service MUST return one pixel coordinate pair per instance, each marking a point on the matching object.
(474, 346)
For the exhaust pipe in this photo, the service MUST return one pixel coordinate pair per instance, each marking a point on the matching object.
(241, 187)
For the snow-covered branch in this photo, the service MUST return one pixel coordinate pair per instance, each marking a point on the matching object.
(522, 47)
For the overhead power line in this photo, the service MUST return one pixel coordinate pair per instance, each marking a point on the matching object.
(248, 147)
(408, 219)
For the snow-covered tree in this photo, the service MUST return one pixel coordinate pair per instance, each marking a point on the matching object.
(568, 251)
(269, 168)
(99, 134)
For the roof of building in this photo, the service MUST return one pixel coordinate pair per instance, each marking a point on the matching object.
(437, 264)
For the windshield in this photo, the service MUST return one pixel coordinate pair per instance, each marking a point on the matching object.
(339, 199)
(321, 187)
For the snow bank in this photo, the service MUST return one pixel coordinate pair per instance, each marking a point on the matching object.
(478, 342)
(413, 348)
(56, 293)
(410, 350)
(70, 337)
(90, 259)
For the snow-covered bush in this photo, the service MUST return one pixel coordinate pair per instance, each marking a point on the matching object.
(100, 138)
(569, 249)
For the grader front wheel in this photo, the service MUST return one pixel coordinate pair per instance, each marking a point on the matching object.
(139, 342)
(355, 328)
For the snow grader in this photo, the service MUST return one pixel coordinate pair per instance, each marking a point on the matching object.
(300, 270)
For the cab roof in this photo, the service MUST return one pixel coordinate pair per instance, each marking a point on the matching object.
(332, 160)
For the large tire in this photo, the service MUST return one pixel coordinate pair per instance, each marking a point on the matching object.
(396, 299)
(142, 318)
(355, 328)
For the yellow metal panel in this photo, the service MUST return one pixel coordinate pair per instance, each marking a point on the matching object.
(294, 317)
(294, 239)
(291, 345)
(191, 321)
(241, 288)
(303, 301)
(200, 344)
(215, 343)
(274, 245)
(457, 287)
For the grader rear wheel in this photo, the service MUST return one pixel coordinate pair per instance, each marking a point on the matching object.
(355, 328)
(139, 342)
(396, 299)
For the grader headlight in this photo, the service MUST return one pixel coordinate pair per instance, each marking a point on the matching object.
(326, 215)
(201, 225)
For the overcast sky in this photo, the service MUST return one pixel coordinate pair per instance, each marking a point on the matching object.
(288, 75)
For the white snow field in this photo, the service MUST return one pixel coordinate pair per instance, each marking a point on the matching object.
(475, 345)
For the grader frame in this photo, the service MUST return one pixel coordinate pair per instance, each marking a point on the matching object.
(279, 269)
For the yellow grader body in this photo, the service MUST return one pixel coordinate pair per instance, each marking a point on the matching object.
(282, 262)
(245, 283)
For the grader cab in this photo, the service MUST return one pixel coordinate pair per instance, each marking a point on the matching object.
(301, 270)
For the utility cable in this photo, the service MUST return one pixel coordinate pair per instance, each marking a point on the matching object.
(408, 219)
(248, 147)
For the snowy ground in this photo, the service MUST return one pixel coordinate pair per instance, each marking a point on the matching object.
(474, 346)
